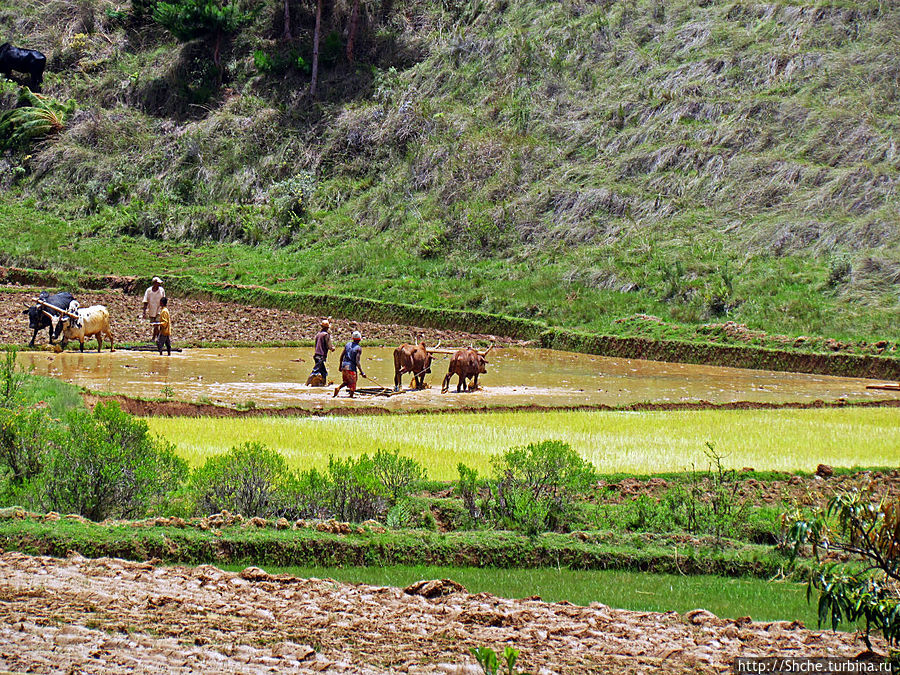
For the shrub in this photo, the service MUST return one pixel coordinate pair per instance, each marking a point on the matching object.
(33, 118)
(366, 487)
(290, 198)
(305, 496)
(395, 473)
(533, 490)
(27, 436)
(862, 528)
(536, 483)
(246, 480)
(355, 493)
(469, 490)
(263, 62)
(109, 466)
(710, 502)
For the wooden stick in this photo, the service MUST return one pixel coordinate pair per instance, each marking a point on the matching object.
(56, 309)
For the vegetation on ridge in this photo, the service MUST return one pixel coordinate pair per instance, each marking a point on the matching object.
(572, 162)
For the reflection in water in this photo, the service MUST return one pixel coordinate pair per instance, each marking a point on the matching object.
(515, 377)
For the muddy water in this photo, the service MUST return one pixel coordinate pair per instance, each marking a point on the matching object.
(515, 377)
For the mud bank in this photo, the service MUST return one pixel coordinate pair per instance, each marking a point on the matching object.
(145, 408)
(113, 616)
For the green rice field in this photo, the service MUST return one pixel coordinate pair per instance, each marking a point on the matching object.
(640, 591)
(634, 442)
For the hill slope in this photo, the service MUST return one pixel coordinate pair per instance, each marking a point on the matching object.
(574, 161)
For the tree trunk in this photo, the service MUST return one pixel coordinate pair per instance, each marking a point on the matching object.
(217, 56)
(315, 63)
(354, 24)
(287, 20)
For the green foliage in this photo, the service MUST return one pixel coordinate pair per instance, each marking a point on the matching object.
(263, 62)
(709, 502)
(534, 488)
(355, 494)
(290, 198)
(36, 117)
(191, 19)
(27, 436)
(27, 432)
(863, 528)
(109, 466)
(245, 480)
(839, 268)
(490, 663)
(396, 474)
(536, 485)
(11, 380)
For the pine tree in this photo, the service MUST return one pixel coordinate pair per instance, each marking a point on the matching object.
(207, 19)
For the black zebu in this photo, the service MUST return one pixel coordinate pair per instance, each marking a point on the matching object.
(29, 61)
(37, 315)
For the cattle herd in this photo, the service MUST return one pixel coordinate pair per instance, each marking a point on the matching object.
(62, 316)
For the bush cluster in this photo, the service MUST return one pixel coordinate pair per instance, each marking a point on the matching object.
(105, 464)
(100, 464)
(254, 480)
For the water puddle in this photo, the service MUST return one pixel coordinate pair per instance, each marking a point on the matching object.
(516, 377)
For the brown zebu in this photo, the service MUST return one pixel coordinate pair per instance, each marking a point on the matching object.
(466, 364)
(414, 359)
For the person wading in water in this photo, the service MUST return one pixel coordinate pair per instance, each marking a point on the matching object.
(351, 358)
(319, 375)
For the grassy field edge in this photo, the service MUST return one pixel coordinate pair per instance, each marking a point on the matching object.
(494, 549)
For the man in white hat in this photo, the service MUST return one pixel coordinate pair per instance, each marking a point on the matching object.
(351, 363)
(152, 296)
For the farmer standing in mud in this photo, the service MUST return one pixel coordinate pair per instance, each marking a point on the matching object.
(319, 375)
(351, 363)
(152, 296)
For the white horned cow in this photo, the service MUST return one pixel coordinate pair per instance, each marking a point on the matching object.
(79, 324)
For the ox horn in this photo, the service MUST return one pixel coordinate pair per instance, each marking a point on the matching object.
(487, 351)
(48, 314)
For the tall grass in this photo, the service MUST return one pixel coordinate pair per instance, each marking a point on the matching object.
(639, 442)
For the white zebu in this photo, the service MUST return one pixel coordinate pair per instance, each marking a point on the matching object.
(79, 324)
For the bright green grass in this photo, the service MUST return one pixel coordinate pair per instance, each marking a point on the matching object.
(640, 591)
(636, 442)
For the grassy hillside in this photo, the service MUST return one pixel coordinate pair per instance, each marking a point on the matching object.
(576, 162)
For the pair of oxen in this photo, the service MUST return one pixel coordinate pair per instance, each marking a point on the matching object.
(467, 364)
(61, 314)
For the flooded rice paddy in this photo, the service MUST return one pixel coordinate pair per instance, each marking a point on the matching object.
(516, 377)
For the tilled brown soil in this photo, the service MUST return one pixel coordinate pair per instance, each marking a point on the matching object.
(196, 321)
(113, 616)
(813, 490)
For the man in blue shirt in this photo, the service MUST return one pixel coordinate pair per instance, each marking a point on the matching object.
(351, 363)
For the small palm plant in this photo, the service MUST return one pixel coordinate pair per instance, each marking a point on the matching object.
(35, 117)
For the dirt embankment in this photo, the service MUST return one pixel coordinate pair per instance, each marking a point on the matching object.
(195, 321)
(144, 408)
(114, 616)
(814, 490)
